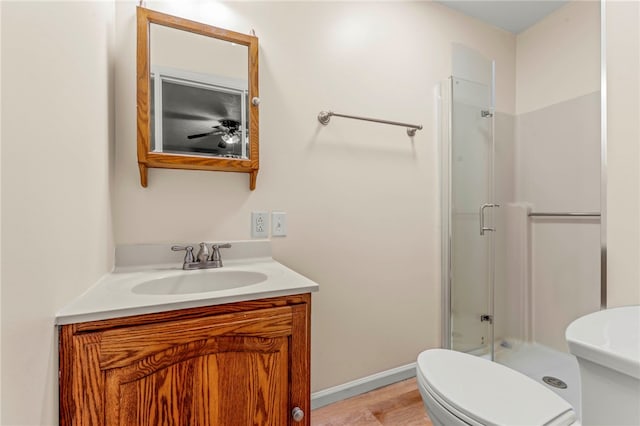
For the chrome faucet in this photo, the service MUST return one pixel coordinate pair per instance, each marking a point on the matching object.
(203, 253)
(202, 260)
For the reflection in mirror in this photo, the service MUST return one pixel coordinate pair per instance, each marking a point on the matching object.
(201, 94)
(194, 86)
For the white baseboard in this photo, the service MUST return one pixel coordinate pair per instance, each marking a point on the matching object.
(363, 385)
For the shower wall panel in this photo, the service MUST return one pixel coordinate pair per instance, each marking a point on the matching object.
(558, 170)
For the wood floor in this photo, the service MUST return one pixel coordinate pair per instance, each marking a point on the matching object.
(399, 404)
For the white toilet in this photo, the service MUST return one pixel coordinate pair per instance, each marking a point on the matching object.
(607, 346)
(462, 389)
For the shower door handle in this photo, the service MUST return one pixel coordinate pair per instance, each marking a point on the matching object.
(482, 227)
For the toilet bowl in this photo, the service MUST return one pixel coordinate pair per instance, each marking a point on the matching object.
(462, 389)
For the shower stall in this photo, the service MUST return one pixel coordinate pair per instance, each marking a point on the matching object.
(521, 233)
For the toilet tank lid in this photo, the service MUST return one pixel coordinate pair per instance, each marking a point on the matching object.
(490, 393)
(610, 337)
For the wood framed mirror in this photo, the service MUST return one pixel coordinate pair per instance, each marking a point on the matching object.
(197, 97)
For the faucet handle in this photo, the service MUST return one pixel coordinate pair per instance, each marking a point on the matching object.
(188, 256)
(215, 248)
(225, 245)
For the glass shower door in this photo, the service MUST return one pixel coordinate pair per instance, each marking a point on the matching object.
(471, 187)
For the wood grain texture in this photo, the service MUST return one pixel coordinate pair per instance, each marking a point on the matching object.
(147, 158)
(199, 312)
(142, 92)
(397, 404)
(180, 388)
(66, 376)
(253, 178)
(245, 363)
(300, 379)
(123, 346)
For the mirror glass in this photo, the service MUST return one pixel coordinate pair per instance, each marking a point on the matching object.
(198, 95)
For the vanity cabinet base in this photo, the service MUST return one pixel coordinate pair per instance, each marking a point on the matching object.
(244, 363)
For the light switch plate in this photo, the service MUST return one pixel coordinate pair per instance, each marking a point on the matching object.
(278, 224)
(259, 225)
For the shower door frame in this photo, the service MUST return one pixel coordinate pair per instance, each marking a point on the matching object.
(603, 154)
(445, 124)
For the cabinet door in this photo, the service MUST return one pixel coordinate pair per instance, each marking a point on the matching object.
(226, 370)
(223, 381)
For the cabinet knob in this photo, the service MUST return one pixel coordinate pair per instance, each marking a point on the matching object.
(297, 414)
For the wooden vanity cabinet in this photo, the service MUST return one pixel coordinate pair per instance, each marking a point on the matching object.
(242, 364)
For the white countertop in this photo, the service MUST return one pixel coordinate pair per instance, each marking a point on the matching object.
(113, 295)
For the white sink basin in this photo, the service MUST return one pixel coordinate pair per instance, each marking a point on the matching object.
(199, 282)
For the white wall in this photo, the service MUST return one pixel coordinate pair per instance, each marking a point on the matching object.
(57, 121)
(361, 197)
(558, 163)
(623, 134)
(558, 58)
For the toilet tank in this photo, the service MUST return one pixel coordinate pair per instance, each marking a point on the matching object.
(607, 346)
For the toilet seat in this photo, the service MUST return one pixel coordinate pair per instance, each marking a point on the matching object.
(481, 392)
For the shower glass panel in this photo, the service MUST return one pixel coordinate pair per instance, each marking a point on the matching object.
(471, 186)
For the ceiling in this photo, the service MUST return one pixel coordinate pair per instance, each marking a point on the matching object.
(514, 16)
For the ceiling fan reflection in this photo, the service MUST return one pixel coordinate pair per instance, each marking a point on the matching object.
(227, 129)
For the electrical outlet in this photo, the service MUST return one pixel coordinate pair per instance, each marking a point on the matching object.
(259, 225)
(278, 224)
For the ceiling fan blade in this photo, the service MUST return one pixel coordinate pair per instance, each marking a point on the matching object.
(178, 115)
(200, 135)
